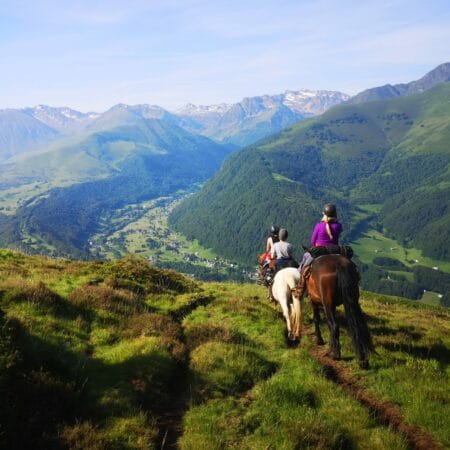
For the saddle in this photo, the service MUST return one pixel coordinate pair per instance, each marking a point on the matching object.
(344, 250)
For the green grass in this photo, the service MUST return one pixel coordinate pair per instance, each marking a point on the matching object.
(373, 243)
(101, 354)
(85, 350)
(294, 406)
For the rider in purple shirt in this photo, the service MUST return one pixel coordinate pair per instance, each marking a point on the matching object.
(325, 233)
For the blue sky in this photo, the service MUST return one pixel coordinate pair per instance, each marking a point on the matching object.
(90, 55)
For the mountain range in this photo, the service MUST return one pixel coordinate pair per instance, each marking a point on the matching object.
(33, 129)
(256, 117)
(62, 171)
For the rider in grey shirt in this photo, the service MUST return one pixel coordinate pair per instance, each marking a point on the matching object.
(283, 251)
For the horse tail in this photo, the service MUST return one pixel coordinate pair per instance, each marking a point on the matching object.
(347, 284)
(297, 314)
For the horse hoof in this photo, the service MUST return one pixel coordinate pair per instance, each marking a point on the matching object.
(320, 342)
(335, 356)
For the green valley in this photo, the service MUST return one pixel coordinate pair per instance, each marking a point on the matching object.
(142, 229)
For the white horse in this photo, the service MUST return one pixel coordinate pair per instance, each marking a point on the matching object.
(283, 290)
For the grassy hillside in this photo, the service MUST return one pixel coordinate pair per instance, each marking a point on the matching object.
(125, 355)
(384, 163)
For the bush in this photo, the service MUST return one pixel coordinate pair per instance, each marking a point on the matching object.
(227, 369)
(106, 298)
(199, 334)
(153, 324)
(15, 291)
(138, 275)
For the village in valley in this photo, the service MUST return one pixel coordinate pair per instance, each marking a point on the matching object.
(142, 229)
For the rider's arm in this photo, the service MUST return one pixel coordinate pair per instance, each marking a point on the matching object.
(269, 244)
(314, 235)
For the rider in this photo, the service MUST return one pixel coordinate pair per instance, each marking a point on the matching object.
(325, 233)
(282, 251)
(265, 274)
(273, 237)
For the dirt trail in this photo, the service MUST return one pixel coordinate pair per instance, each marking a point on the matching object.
(385, 412)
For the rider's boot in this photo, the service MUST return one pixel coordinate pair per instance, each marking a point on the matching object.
(301, 287)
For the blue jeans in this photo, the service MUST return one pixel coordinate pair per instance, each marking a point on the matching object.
(306, 261)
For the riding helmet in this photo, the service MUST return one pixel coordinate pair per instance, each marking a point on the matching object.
(330, 210)
(283, 234)
(274, 230)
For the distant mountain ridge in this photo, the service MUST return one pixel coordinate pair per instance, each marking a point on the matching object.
(440, 74)
(238, 124)
(20, 132)
(254, 118)
(63, 119)
(28, 129)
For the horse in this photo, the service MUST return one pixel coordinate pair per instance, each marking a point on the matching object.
(283, 290)
(333, 281)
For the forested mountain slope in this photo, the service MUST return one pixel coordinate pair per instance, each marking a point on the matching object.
(391, 153)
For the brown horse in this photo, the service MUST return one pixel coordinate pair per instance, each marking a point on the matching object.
(334, 281)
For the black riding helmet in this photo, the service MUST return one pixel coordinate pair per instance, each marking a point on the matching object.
(274, 230)
(283, 234)
(330, 210)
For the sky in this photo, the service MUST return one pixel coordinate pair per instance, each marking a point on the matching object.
(90, 55)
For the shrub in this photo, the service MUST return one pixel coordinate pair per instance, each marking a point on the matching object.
(153, 324)
(199, 334)
(14, 291)
(138, 275)
(82, 436)
(226, 369)
(106, 298)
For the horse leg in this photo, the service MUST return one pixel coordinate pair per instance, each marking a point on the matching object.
(316, 310)
(330, 313)
(285, 308)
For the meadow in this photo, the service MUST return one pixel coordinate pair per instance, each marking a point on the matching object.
(125, 355)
